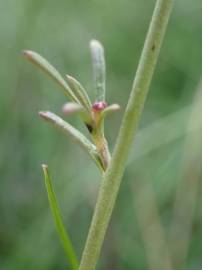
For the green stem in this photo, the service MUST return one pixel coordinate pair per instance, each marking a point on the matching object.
(112, 178)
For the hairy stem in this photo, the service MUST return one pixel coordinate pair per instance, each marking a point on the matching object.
(112, 178)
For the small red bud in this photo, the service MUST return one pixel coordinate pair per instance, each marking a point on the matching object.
(99, 106)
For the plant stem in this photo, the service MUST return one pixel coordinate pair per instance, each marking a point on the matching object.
(112, 178)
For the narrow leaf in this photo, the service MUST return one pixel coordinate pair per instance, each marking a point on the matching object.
(74, 134)
(98, 62)
(44, 65)
(64, 237)
(71, 107)
(75, 108)
(107, 111)
(79, 92)
(110, 109)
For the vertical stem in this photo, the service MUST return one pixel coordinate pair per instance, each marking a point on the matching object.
(112, 178)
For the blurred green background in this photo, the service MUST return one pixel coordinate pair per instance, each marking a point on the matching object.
(61, 31)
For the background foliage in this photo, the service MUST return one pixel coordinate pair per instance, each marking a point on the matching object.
(61, 31)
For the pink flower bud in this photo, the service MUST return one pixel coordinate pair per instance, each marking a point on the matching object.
(99, 106)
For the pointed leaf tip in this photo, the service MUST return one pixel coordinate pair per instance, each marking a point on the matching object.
(44, 167)
(50, 70)
(44, 115)
(26, 53)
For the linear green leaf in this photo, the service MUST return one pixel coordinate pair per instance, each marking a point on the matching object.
(76, 109)
(72, 108)
(110, 109)
(98, 62)
(107, 111)
(74, 134)
(79, 92)
(44, 65)
(64, 237)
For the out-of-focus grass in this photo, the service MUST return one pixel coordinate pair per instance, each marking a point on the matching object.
(61, 31)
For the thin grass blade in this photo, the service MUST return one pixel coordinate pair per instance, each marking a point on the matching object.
(64, 237)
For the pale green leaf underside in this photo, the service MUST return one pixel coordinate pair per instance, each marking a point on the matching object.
(74, 134)
(98, 62)
(79, 92)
